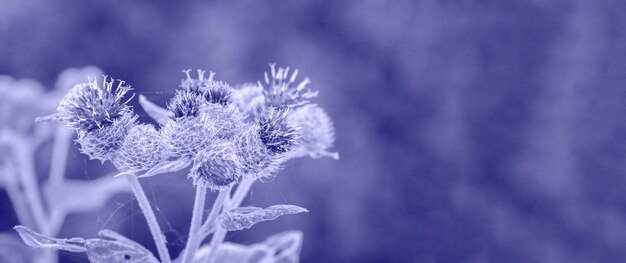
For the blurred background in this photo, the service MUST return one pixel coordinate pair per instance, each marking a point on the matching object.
(469, 131)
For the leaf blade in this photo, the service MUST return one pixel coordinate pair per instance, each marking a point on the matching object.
(245, 217)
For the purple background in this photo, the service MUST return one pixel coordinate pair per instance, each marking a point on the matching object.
(469, 131)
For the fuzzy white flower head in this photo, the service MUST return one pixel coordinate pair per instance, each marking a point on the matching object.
(280, 90)
(316, 127)
(278, 135)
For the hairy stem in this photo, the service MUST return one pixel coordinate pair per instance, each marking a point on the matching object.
(215, 211)
(196, 221)
(220, 233)
(146, 209)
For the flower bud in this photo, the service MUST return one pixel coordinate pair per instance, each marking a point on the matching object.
(216, 166)
(102, 143)
(140, 150)
(185, 104)
(250, 100)
(276, 133)
(256, 160)
(88, 106)
(316, 127)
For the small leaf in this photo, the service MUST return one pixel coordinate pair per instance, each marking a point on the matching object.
(118, 250)
(245, 217)
(159, 114)
(167, 167)
(37, 240)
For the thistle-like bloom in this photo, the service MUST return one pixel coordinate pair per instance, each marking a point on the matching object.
(140, 150)
(101, 144)
(217, 166)
(280, 91)
(216, 92)
(88, 106)
(250, 100)
(318, 133)
(276, 133)
(256, 159)
(185, 104)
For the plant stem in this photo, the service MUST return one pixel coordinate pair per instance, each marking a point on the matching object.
(146, 209)
(215, 211)
(220, 233)
(196, 221)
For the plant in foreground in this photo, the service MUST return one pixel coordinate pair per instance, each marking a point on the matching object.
(227, 137)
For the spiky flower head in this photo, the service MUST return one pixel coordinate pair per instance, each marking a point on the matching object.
(185, 104)
(318, 133)
(101, 144)
(196, 84)
(186, 136)
(90, 106)
(250, 100)
(215, 92)
(256, 159)
(280, 90)
(140, 150)
(217, 166)
(278, 135)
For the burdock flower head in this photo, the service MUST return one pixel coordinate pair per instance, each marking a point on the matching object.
(280, 90)
(140, 150)
(213, 91)
(250, 100)
(99, 114)
(318, 133)
(216, 166)
(202, 112)
(278, 135)
(89, 106)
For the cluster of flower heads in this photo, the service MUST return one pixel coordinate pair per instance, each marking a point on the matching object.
(226, 133)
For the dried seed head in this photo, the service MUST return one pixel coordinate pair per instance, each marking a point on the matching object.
(88, 106)
(216, 166)
(185, 104)
(256, 160)
(250, 100)
(276, 133)
(318, 133)
(141, 149)
(101, 144)
(280, 91)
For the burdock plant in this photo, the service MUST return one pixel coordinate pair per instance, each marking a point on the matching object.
(226, 137)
